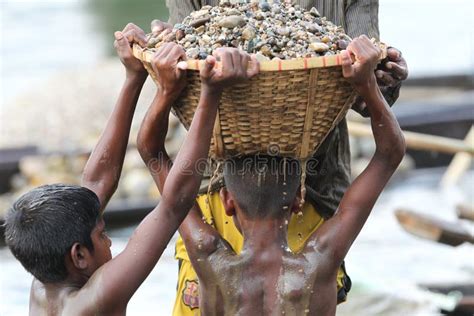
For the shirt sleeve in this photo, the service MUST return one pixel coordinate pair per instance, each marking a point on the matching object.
(362, 17)
(179, 9)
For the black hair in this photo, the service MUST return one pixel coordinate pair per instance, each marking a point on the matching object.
(43, 224)
(262, 185)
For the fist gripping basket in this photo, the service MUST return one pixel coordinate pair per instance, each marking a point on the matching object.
(288, 109)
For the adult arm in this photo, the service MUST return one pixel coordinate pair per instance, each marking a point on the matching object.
(102, 171)
(179, 9)
(337, 234)
(361, 17)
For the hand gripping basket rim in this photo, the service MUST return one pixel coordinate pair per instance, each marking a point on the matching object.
(315, 77)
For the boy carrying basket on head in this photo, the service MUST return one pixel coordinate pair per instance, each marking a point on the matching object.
(265, 277)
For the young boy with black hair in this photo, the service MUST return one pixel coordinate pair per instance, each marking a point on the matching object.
(266, 278)
(57, 231)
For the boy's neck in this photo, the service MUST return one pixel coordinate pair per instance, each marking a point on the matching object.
(261, 235)
(68, 285)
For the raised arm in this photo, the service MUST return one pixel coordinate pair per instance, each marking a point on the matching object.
(151, 145)
(119, 278)
(102, 171)
(338, 233)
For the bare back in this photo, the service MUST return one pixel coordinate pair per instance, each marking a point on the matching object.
(271, 283)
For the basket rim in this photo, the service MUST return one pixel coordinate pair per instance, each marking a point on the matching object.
(145, 55)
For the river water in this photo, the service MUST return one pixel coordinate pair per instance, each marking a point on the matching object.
(41, 38)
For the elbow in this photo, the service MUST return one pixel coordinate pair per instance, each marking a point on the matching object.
(178, 201)
(394, 153)
(141, 144)
(144, 149)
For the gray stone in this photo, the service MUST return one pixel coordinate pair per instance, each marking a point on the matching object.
(314, 12)
(232, 21)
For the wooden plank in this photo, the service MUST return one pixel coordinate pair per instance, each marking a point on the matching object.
(419, 141)
(146, 55)
(459, 165)
(431, 228)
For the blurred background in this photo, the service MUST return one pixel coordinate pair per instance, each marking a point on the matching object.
(60, 79)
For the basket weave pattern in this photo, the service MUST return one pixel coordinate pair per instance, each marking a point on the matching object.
(287, 112)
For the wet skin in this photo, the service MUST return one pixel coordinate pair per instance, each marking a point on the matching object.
(271, 281)
(266, 278)
(95, 283)
(71, 297)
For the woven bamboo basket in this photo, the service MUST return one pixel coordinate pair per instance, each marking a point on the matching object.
(287, 110)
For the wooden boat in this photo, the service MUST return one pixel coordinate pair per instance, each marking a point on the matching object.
(431, 228)
(9, 163)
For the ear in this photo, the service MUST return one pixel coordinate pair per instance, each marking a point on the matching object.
(228, 201)
(80, 256)
(296, 205)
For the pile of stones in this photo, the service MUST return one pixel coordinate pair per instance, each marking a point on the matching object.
(276, 30)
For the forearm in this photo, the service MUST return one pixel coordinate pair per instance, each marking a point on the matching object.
(102, 171)
(186, 174)
(151, 139)
(389, 140)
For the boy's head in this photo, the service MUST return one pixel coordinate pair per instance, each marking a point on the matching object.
(262, 186)
(52, 229)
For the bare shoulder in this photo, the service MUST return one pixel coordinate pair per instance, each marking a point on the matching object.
(89, 300)
(208, 248)
(214, 263)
